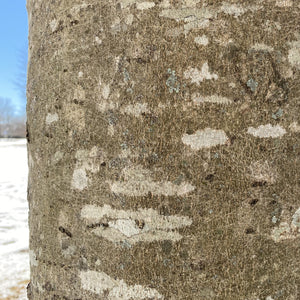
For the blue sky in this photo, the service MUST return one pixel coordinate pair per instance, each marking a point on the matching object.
(13, 49)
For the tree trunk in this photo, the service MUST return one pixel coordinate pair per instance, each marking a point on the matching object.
(163, 142)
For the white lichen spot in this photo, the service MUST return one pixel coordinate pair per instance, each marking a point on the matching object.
(32, 258)
(90, 159)
(98, 262)
(57, 157)
(145, 5)
(187, 14)
(54, 25)
(203, 23)
(284, 3)
(266, 131)
(142, 225)
(294, 54)
(233, 9)
(51, 118)
(206, 138)
(129, 19)
(174, 32)
(197, 76)
(138, 182)
(102, 284)
(262, 171)
(30, 161)
(105, 91)
(69, 251)
(86, 161)
(287, 231)
(294, 127)
(198, 99)
(262, 47)
(191, 3)
(194, 18)
(80, 74)
(116, 25)
(127, 3)
(111, 130)
(98, 40)
(282, 232)
(76, 9)
(79, 93)
(201, 40)
(135, 109)
(165, 4)
(79, 179)
(237, 10)
(296, 219)
(105, 106)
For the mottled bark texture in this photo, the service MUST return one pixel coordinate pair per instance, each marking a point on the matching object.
(163, 142)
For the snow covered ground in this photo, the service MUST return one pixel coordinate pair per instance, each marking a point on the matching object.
(14, 261)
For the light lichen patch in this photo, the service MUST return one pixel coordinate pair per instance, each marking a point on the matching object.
(32, 258)
(266, 131)
(98, 41)
(201, 40)
(197, 76)
(105, 91)
(233, 9)
(142, 225)
(86, 161)
(198, 24)
(79, 93)
(102, 284)
(187, 14)
(172, 82)
(198, 99)
(284, 3)
(57, 157)
(193, 17)
(54, 25)
(262, 47)
(104, 106)
(294, 54)
(76, 9)
(294, 127)
(145, 5)
(296, 219)
(138, 182)
(51, 118)
(261, 171)
(165, 4)
(79, 179)
(135, 109)
(287, 231)
(191, 3)
(206, 138)
(237, 10)
(129, 19)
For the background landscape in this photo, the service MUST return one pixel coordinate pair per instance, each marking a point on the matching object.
(14, 261)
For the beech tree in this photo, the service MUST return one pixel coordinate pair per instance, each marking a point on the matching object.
(163, 145)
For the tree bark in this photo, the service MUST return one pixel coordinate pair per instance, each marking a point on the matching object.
(163, 141)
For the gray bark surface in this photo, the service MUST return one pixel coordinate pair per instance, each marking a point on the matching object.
(163, 144)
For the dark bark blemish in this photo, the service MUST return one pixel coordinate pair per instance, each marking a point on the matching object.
(65, 231)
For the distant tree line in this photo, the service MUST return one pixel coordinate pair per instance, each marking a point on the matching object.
(12, 124)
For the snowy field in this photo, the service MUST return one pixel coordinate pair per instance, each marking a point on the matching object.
(14, 261)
